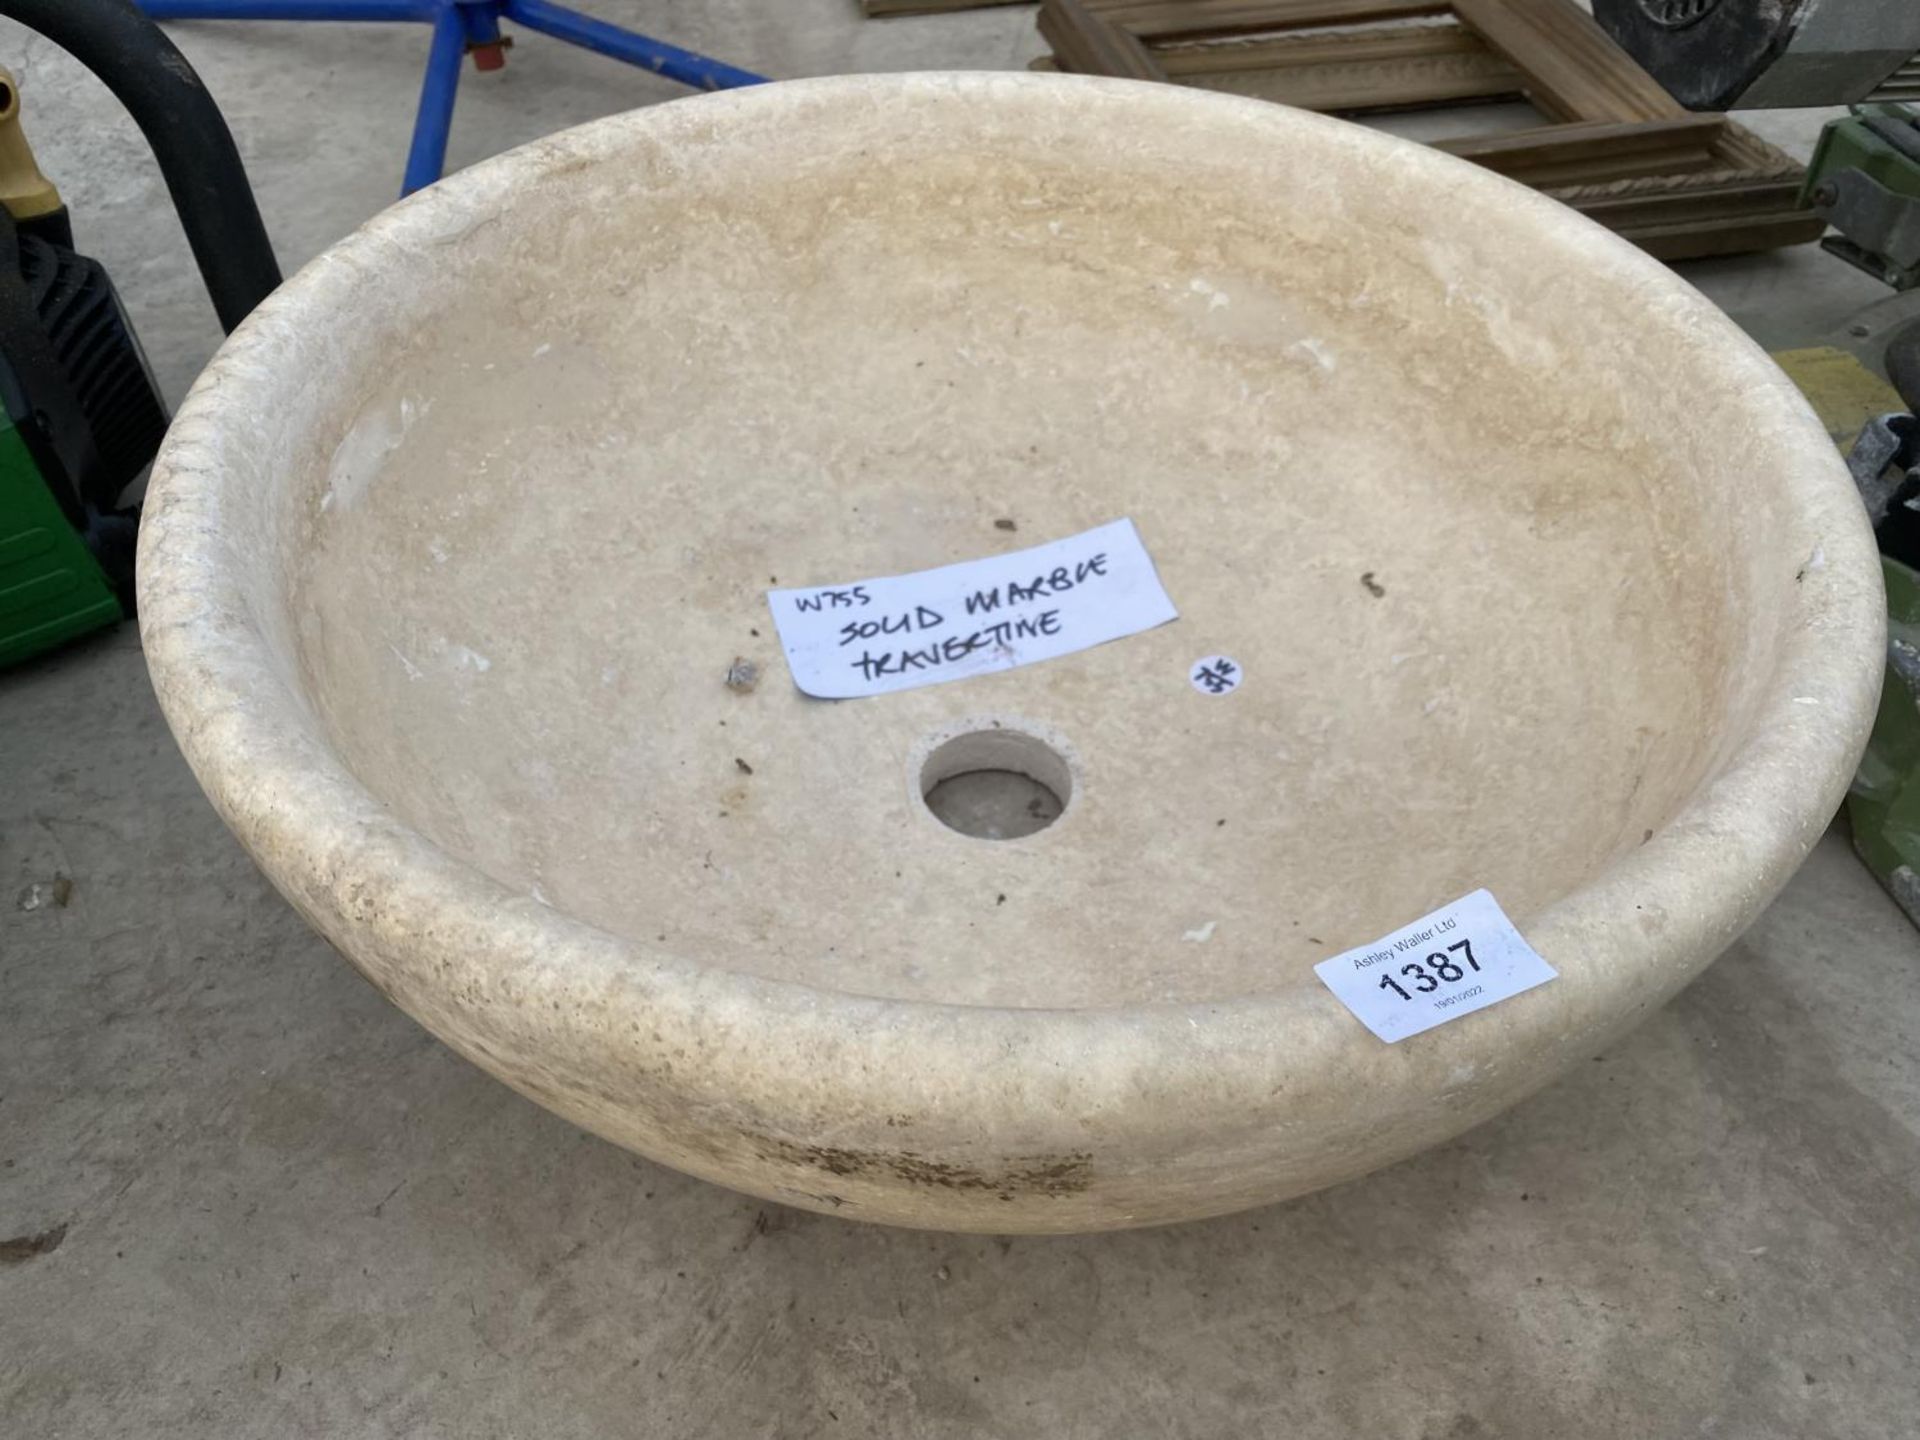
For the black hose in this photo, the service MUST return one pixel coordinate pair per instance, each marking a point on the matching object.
(190, 139)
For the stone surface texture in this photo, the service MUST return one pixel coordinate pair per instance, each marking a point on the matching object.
(285, 1209)
(452, 545)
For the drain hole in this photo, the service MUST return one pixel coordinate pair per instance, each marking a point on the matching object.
(996, 784)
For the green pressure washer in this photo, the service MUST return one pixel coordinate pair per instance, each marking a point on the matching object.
(80, 415)
(1883, 804)
(1864, 180)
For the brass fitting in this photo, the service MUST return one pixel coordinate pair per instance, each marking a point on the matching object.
(25, 192)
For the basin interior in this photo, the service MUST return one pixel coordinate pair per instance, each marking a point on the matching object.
(1432, 472)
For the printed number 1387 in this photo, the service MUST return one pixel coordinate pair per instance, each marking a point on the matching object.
(1444, 967)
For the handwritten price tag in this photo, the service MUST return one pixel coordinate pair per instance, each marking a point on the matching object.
(1461, 958)
(875, 636)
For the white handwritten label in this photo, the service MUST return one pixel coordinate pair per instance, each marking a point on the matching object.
(1461, 958)
(1216, 675)
(895, 633)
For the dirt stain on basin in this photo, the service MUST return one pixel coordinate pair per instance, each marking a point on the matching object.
(1054, 1175)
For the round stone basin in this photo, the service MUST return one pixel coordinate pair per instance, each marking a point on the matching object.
(1538, 578)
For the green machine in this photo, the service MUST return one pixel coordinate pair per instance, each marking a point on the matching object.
(1883, 805)
(53, 585)
(1864, 180)
(80, 415)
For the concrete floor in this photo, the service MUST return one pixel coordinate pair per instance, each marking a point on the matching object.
(269, 1205)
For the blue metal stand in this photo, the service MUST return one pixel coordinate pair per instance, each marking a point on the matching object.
(462, 27)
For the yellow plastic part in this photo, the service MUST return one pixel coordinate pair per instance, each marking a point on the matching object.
(1844, 393)
(23, 189)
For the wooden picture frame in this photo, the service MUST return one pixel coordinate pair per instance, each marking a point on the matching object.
(1616, 146)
